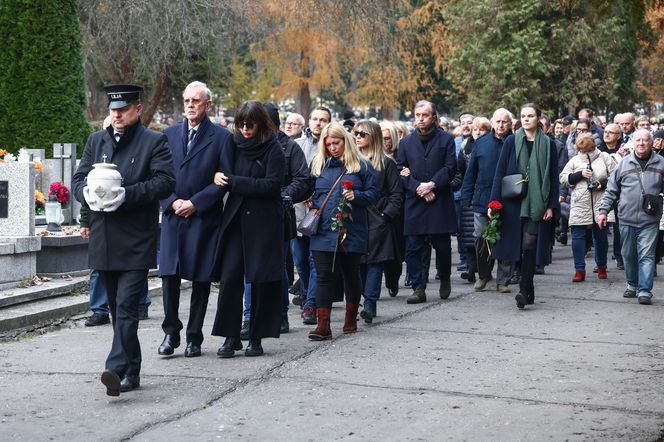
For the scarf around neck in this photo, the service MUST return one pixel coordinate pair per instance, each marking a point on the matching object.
(535, 166)
(253, 148)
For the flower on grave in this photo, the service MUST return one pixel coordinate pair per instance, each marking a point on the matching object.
(39, 166)
(60, 191)
(40, 202)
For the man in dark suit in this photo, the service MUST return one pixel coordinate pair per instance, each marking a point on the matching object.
(191, 220)
(428, 163)
(123, 231)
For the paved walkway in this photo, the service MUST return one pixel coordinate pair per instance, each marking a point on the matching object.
(581, 364)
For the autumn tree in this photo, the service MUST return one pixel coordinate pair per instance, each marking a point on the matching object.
(42, 99)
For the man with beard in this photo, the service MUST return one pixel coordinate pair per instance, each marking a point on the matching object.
(428, 163)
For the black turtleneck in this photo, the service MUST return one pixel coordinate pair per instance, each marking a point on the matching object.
(425, 138)
(642, 161)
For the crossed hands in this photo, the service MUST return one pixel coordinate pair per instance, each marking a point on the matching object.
(424, 190)
(183, 208)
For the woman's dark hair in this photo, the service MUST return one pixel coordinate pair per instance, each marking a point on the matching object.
(253, 111)
(538, 111)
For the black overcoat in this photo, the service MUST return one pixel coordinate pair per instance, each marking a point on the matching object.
(437, 163)
(508, 248)
(127, 238)
(384, 213)
(255, 198)
(188, 245)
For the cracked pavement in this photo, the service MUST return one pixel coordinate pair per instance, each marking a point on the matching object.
(582, 364)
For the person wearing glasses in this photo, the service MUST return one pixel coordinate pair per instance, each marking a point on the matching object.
(382, 214)
(252, 232)
(340, 171)
(294, 125)
(587, 174)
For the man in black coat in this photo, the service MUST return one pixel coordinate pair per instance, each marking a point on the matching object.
(124, 231)
(428, 163)
(191, 221)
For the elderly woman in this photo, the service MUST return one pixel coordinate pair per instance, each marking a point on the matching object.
(382, 214)
(344, 174)
(533, 156)
(587, 174)
(252, 232)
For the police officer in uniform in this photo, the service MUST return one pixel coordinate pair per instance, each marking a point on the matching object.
(124, 232)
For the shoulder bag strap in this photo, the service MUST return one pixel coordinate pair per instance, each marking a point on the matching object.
(334, 186)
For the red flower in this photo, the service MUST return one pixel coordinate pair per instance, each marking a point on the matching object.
(495, 205)
(348, 184)
(340, 215)
(60, 191)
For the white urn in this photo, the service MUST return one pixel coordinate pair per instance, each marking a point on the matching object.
(101, 179)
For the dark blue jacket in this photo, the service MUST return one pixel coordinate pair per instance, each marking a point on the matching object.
(357, 231)
(477, 183)
(190, 243)
(436, 162)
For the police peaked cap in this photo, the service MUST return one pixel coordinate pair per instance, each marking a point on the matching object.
(121, 95)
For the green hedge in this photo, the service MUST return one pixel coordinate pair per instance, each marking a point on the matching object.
(42, 95)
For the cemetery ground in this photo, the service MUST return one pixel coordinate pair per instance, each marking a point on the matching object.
(581, 364)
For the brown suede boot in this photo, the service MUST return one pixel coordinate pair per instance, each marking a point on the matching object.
(322, 331)
(350, 323)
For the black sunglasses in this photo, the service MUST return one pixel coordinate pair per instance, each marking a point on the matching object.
(361, 134)
(248, 124)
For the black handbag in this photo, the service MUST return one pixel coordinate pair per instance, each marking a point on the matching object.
(651, 204)
(514, 187)
(309, 224)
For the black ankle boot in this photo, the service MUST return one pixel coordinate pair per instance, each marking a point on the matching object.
(231, 344)
(254, 348)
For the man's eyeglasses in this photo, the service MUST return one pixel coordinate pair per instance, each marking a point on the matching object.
(359, 133)
(611, 132)
(248, 124)
(582, 131)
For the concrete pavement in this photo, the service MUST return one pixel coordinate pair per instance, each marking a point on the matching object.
(581, 364)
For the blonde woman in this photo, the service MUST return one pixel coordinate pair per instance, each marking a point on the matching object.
(382, 215)
(390, 138)
(338, 252)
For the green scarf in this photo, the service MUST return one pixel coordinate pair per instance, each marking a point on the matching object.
(536, 168)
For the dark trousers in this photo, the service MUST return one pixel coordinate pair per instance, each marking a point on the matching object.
(346, 265)
(528, 257)
(125, 289)
(265, 313)
(415, 248)
(392, 270)
(172, 325)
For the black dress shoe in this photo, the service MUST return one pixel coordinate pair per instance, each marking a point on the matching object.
(521, 300)
(168, 346)
(227, 350)
(97, 319)
(244, 332)
(254, 348)
(393, 291)
(130, 382)
(285, 327)
(192, 350)
(112, 382)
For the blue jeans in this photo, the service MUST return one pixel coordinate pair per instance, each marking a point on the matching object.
(415, 247)
(300, 249)
(460, 248)
(246, 314)
(99, 297)
(638, 252)
(311, 290)
(616, 242)
(372, 275)
(600, 243)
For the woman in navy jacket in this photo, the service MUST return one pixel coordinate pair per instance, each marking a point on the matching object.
(252, 232)
(338, 156)
(531, 153)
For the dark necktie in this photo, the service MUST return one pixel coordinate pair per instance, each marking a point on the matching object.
(192, 135)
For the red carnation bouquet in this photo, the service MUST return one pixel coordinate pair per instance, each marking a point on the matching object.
(492, 230)
(344, 212)
(60, 191)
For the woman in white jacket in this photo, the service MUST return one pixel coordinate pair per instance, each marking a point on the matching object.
(587, 174)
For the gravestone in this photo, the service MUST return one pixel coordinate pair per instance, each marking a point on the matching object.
(20, 199)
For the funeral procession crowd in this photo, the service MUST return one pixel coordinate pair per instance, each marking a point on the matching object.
(345, 203)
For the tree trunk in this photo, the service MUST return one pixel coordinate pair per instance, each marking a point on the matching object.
(303, 98)
(157, 93)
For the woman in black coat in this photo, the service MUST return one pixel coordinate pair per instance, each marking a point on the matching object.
(382, 214)
(532, 154)
(252, 232)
